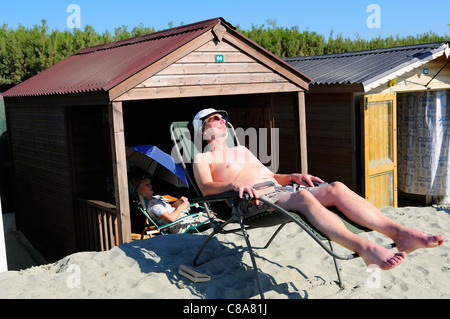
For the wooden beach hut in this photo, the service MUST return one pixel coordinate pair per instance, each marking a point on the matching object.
(5, 167)
(357, 120)
(68, 126)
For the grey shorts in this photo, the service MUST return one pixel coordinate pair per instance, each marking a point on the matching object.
(275, 196)
(279, 193)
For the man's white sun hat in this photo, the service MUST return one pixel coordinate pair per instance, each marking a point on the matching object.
(197, 123)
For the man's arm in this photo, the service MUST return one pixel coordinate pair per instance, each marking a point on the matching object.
(181, 205)
(282, 179)
(203, 176)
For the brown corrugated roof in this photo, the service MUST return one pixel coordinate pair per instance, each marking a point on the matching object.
(101, 67)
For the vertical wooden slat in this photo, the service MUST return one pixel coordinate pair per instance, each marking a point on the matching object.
(116, 230)
(101, 233)
(111, 230)
(302, 132)
(106, 233)
(120, 171)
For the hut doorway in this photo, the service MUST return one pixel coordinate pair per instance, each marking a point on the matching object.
(148, 121)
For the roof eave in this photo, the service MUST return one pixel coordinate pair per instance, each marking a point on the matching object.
(384, 77)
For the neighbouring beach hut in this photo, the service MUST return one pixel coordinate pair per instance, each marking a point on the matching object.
(68, 126)
(379, 120)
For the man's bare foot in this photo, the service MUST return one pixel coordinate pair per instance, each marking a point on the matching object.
(381, 257)
(409, 239)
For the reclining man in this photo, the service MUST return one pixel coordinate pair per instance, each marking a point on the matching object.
(220, 169)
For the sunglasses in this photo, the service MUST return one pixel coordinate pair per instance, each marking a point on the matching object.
(215, 118)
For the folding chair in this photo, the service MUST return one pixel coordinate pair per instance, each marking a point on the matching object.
(242, 211)
(154, 228)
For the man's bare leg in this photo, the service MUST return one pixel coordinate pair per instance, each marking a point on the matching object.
(329, 224)
(364, 213)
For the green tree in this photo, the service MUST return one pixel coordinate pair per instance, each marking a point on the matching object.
(24, 52)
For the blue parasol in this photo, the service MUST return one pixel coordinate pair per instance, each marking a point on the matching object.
(157, 163)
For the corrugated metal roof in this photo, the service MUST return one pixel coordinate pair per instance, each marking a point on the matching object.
(362, 67)
(101, 67)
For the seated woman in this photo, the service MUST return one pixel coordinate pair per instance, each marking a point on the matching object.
(163, 212)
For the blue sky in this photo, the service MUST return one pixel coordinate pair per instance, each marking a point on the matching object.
(346, 17)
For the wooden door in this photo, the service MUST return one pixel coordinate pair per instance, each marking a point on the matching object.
(380, 149)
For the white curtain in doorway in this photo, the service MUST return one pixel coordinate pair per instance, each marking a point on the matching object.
(423, 142)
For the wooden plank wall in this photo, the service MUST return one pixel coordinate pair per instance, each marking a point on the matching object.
(198, 74)
(90, 149)
(44, 204)
(329, 125)
(285, 118)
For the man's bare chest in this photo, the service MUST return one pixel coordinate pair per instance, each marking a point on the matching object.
(231, 162)
(232, 157)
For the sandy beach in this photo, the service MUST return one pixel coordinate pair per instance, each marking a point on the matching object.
(293, 267)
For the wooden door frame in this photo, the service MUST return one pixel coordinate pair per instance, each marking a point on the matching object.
(369, 98)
